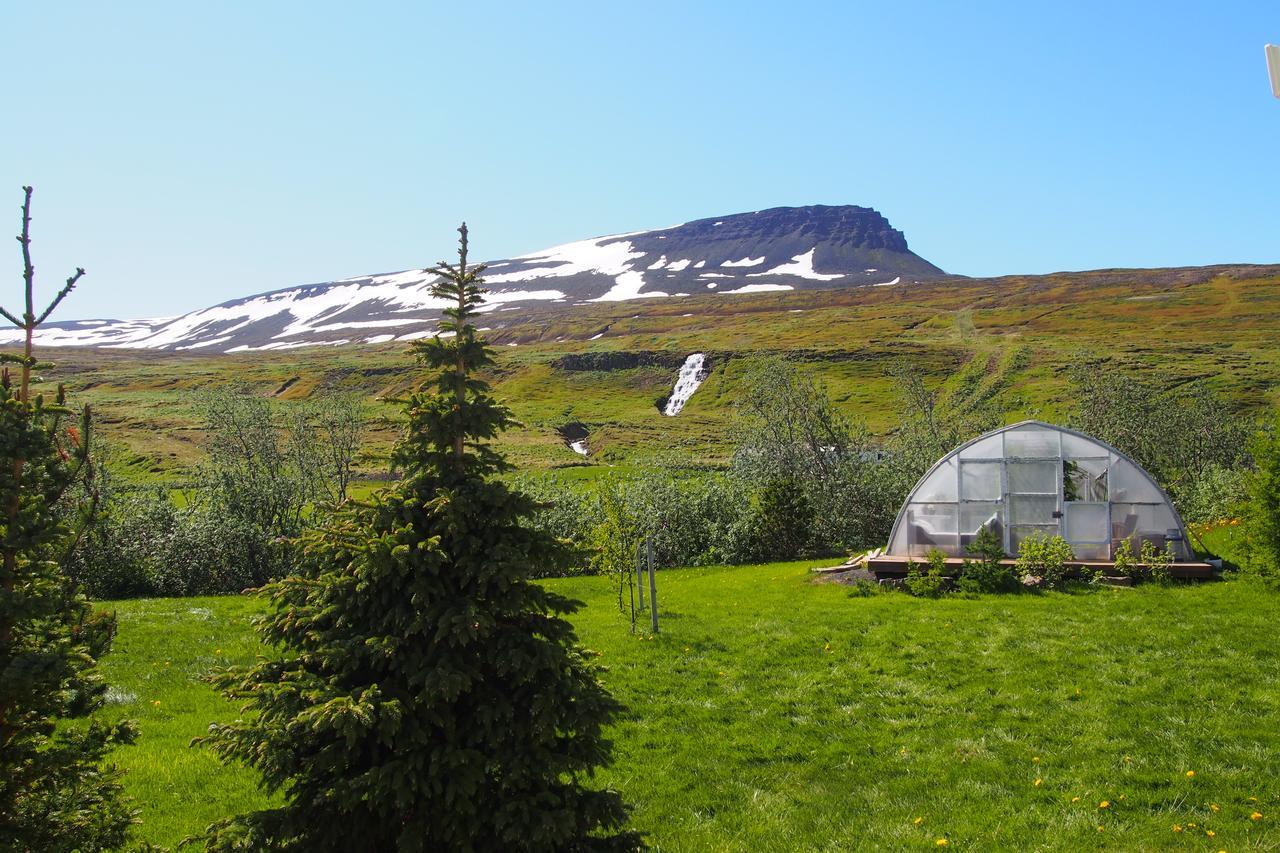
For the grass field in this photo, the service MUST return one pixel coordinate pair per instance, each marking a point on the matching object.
(773, 712)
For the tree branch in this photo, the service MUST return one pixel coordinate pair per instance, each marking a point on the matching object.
(28, 270)
(62, 294)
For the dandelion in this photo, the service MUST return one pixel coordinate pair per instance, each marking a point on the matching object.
(1253, 799)
(918, 820)
(155, 703)
(1038, 781)
(1214, 806)
(1100, 828)
(1210, 833)
(1256, 816)
(1075, 799)
(217, 651)
(1035, 759)
(1105, 804)
(1128, 760)
(942, 842)
(1190, 773)
(1177, 827)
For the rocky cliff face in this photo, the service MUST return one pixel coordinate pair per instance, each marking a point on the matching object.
(783, 248)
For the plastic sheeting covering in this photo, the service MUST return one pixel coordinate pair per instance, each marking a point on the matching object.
(1034, 477)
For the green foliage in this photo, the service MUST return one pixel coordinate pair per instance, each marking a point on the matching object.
(789, 431)
(930, 583)
(1156, 562)
(1125, 565)
(56, 791)
(1262, 513)
(1044, 557)
(267, 471)
(1186, 437)
(783, 521)
(428, 695)
(988, 573)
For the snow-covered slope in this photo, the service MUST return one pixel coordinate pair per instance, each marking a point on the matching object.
(785, 248)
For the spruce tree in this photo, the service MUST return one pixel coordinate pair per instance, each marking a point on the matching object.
(427, 695)
(55, 792)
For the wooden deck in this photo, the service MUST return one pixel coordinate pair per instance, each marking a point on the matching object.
(884, 566)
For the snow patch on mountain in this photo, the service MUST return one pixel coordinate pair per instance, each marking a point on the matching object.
(802, 266)
(757, 288)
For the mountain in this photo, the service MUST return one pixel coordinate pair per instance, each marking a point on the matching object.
(783, 248)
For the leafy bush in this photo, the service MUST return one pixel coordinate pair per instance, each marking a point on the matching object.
(1044, 557)
(144, 544)
(930, 583)
(1157, 562)
(988, 573)
(1125, 564)
(1262, 513)
(783, 520)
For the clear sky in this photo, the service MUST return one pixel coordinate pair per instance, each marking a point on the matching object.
(186, 154)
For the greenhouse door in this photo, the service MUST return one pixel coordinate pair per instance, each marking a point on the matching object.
(1035, 499)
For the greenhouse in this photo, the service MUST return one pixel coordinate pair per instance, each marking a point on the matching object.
(1030, 478)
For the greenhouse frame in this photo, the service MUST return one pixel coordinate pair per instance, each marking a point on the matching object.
(1036, 477)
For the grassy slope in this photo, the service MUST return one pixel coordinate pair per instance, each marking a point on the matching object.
(776, 713)
(1008, 339)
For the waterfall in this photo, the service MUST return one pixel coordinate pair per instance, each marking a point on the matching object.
(692, 372)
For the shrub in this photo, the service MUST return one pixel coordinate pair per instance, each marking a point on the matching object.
(1125, 564)
(1157, 562)
(783, 519)
(1262, 513)
(988, 573)
(1044, 557)
(930, 583)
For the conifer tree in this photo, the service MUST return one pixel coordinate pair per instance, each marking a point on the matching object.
(55, 793)
(427, 695)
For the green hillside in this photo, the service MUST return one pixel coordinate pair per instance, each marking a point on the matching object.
(607, 365)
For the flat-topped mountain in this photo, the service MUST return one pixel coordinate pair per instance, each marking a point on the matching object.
(783, 248)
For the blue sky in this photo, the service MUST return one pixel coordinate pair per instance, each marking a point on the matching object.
(187, 156)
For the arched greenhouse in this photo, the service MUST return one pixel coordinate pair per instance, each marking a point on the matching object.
(1035, 477)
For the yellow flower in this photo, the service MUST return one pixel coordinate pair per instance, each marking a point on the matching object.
(1038, 781)
(1214, 806)
(217, 651)
(1035, 759)
(1177, 827)
(1256, 816)
(1190, 773)
(1099, 828)
(1105, 804)
(1127, 760)
(918, 820)
(1075, 799)
(155, 703)
(1253, 799)
(1210, 833)
(941, 842)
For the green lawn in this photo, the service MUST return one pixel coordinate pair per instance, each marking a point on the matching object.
(776, 713)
